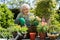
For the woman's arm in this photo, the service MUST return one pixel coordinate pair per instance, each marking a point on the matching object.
(38, 18)
(18, 16)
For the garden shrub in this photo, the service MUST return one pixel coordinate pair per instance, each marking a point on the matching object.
(6, 16)
(6, 21)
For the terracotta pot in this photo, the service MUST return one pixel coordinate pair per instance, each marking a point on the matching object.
(32, 36)
(42, 36)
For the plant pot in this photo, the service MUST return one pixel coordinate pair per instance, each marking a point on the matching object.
(32, 36)
(42, 36)
(52, 36)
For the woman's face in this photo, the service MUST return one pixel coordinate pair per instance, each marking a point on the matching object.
(25, 10)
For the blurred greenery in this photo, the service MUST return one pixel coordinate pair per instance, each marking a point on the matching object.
(4, 33)
(42, 29)
(43, 8)
(7, 25)
(46, 8)
(6, 16)
(6, 20)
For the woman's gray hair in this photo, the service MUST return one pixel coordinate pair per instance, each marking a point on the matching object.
(25, 5)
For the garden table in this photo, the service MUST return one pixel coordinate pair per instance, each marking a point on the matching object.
(39, 39)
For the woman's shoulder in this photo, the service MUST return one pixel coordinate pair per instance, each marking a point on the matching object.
(20, 14)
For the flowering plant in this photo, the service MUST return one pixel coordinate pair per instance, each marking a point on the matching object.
(34, 20)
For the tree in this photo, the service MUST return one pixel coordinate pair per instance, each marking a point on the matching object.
(45, 8)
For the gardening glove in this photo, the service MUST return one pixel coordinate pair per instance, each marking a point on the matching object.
(22, 21)
(35, 23)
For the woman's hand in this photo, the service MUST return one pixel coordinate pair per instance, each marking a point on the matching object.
(38, 19)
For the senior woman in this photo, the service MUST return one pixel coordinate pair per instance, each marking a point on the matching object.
(25, 13)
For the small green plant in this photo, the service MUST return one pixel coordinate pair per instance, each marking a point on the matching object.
(16, 28)
(34, 21)
(54, 29)
(42, 29)
(4, 33)
(24, 29)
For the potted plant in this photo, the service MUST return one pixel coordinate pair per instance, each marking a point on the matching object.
(34, 21)
(32, 31)
(42, 31)
(53, 32)
(24, 31)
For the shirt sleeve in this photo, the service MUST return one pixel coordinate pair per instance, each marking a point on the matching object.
(18, 16)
